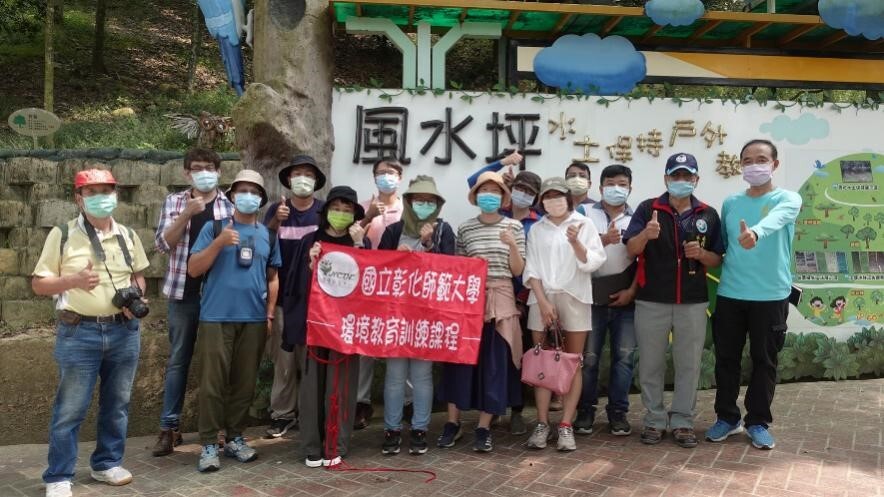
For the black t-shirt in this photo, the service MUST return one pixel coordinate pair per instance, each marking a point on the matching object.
(192, 285)
(291, 231)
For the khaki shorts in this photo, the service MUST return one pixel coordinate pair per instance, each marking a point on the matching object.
(573, 314)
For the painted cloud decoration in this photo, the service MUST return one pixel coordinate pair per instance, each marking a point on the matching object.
(857, 17)
(796, 131)
(674, 12)
(594, 65)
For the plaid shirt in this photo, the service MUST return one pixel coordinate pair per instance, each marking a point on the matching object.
(173, 285)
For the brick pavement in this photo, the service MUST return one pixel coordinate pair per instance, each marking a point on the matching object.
(829, 443)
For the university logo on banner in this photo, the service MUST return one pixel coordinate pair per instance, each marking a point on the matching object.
(386, 303)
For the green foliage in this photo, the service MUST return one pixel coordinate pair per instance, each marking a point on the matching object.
(707, 370)
(797, 359)
(868, 346)
(20, 17)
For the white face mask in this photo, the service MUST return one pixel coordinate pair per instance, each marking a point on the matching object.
(522, 200)
(556, 207)
(757, 174)
(302, 186)
(578, 185)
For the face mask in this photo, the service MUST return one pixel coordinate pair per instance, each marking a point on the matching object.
(100, 206)
(302, 186)
(488, 202)
(340, 220)
(204, 181)
(578, 185)
(387, 183)
(757, 174)
(615, 195)
(680, 189)
(423, 210)
(522, 200)
(556, 207)
(247, 203)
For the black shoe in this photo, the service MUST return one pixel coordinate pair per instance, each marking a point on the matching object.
(418, 442)
(619, 426)
(450, 435)
(392, 442)
(482, 443)
(279, 427)
(583, 423)
(363, 416)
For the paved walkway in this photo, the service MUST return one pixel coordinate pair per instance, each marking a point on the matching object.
(829, 443)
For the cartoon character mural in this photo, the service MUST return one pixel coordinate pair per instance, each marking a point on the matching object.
(226, 21)
(838, 306)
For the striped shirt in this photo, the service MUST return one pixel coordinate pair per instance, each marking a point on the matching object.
(478, 239)
(176, 276)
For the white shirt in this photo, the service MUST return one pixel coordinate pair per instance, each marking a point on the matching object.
(618, 257)
(552, 260)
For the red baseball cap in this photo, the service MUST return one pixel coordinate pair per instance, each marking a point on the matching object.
(93, 177)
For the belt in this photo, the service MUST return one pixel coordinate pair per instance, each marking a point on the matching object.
(71, 318)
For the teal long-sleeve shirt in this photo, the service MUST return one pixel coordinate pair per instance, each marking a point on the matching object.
(762, 273)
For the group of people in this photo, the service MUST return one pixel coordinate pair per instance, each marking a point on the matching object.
(238, 288)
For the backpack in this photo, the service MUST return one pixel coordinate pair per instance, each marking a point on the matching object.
(64, 227)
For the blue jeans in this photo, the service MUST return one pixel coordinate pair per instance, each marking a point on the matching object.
(420, 373)
(84, 353)
(620, 323)
(184, 319)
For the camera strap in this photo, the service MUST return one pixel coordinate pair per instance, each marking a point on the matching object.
(99, 250)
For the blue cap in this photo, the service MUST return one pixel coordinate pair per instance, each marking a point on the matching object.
(681, 161)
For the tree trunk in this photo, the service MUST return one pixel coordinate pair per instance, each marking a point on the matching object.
(98, 48)
(48, 52)
(59, 12)
(196, 42)
(288, 108)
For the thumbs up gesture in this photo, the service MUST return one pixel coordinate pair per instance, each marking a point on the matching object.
(375, 208)
(572, 232)
(282, 211)
(506, 236)
(512, 159)
(228, 236)
(86, 279)
(194, 206)
(652, 229)
(748, 239)
(612, 236)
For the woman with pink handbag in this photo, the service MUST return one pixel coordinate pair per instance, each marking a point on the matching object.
(564, 248)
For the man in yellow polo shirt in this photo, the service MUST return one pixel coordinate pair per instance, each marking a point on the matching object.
(94, 267)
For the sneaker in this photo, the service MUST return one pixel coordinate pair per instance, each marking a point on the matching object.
(722, 429)
(239, 449)
(209, 459)
(314, 461)
(167, 440)
(279, 427)
(566, 441)
(619, 426)
(761, 438)
(482, 442)
(517, 423)
(451, 433)
(331, 463)
(115, 476)
(418, 442)
(363, 416)
(59, 489)
(539, 437)
(583, 423)
(685, 437)
(392, 441)
(652, 436)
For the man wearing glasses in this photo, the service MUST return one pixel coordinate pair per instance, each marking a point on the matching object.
(182, 217)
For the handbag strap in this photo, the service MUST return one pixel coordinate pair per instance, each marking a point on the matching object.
(555, 329)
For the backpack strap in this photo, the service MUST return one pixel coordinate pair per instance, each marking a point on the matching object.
(64, 239)
(216, 228)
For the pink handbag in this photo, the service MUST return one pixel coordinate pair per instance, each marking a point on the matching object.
(552, 369)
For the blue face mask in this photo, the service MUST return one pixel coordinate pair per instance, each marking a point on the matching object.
(423, 210)
(101, 205)
(247, 203)
(680, 189)
(488, 202)
(615, 195)
(204, 181)
(387, 183)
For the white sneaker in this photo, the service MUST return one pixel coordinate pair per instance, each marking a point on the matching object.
(566, 439)
(539, 436)
(330, 463)
(115, 476)
(59, 489)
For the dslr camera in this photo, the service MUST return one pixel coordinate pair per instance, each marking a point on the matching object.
(130, 298)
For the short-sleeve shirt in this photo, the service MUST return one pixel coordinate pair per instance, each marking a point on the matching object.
(478, 239)
(233, 293)
(77, 254)
(392, 214)
(192, 286)
(291, 231)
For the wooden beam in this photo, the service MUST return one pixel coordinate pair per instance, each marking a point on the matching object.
(463, 15)
(651, 32)
(513, 16)
(745, 37)
(797, 33)
(610, 25)
(833, 38)
(560, 24)
(709, 26)
(411, 15)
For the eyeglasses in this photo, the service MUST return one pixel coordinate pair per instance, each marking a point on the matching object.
(197, 169)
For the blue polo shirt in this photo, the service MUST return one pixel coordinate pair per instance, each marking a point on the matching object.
(233, 293)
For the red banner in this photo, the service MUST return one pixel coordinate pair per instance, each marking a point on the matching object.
(388, 303)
